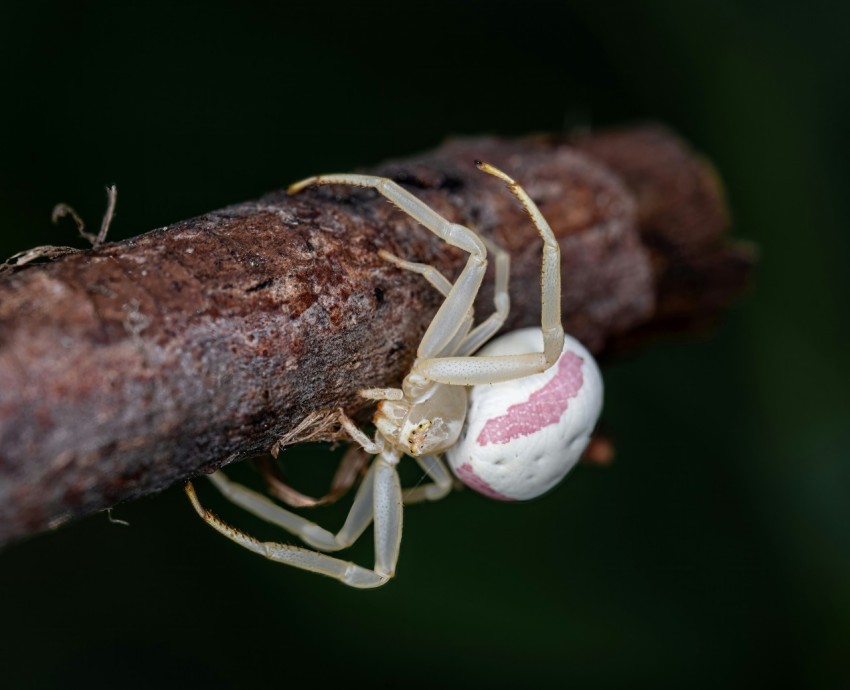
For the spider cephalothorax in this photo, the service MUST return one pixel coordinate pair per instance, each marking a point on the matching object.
(429, 423)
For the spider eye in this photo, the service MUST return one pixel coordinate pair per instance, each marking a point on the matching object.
(417, 439)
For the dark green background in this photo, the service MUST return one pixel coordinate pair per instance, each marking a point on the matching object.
(716, 550)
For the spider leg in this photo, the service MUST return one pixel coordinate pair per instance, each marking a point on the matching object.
(469, 371)
(479, 335)
(347, 572)
(381, 393)
(501, 299)
(388, 514)
(550, 275)
(431, 274)
(384, 490)
(452, 313)
(358, 435)
(443, 285)
(441, 486)
(346, 474)
(308, 531)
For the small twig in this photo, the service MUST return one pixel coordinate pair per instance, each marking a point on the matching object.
(111, 199)
(62, 210)
(47, 252)
(51, 252)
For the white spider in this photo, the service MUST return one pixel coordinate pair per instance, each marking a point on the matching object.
(509, 422)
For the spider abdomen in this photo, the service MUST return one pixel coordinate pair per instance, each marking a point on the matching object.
(521, 437)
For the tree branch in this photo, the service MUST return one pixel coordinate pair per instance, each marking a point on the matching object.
(131, 366)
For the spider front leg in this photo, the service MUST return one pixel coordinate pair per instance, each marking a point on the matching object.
(378, 498)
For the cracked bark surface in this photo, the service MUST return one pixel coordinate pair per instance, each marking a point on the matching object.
(127, 368)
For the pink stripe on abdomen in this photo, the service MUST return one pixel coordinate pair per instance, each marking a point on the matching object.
(543, 407)
(467, 475)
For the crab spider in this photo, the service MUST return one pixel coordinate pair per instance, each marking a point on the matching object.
(511, 421)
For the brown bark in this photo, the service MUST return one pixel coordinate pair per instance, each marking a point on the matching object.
(126, 368)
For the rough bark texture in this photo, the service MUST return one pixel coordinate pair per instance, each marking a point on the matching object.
(129, 367)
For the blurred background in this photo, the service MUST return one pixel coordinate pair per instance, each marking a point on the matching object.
(715, 550)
